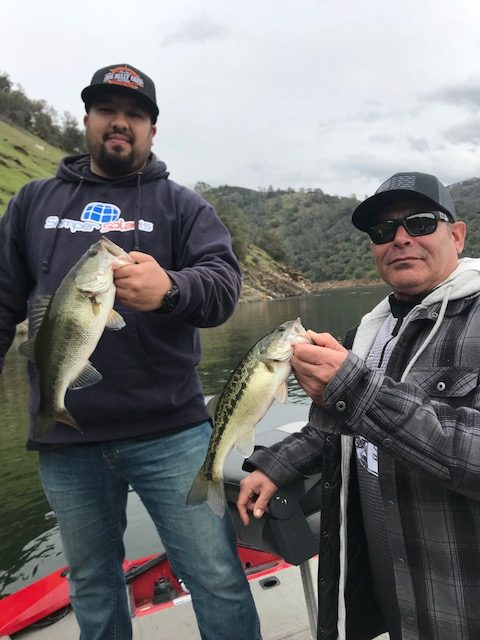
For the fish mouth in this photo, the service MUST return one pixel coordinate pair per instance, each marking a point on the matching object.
(111, 247)
(293, 333)
(301, 334)
(115, 250)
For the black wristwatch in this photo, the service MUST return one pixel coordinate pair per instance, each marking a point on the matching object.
(170, 300)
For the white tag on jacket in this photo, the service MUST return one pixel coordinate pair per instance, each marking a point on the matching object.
(367, 454)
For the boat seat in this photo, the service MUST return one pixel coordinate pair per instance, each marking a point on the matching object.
(291, 528)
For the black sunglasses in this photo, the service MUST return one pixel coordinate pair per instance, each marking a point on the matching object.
(418, 224)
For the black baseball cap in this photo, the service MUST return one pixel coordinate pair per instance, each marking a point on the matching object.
(122, 78)
(399, 187)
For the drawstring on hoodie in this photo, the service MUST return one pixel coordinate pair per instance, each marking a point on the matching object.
(46, 262)
(138, 208)
(434, 330)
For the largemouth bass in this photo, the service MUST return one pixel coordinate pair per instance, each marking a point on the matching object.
(246, 397)
(67, 327)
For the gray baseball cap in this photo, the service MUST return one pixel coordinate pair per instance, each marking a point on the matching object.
(399, 187)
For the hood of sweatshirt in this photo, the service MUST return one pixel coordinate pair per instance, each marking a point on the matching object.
(461, 283)
(76, 170)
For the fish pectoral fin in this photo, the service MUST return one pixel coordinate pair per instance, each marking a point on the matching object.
(96, 306)
(67, 418)
(27, 349)
(245, 443)
(115, 321)
(87, 377)
(212, 405)
(281, 394)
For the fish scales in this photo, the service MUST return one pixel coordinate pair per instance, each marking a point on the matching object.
(229, 400)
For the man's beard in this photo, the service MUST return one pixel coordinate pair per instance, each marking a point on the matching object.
(113, 164)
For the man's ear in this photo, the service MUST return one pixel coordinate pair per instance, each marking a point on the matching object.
(459, 232)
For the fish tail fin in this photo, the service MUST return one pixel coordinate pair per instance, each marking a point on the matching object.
(216, 497)
(45, 422)
(210, 491)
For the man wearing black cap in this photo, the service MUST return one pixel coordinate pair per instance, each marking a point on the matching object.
(395, 427)
(145, 424)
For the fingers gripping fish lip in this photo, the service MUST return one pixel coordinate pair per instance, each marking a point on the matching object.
(277, 346)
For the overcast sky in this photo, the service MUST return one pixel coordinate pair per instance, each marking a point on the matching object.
(330, 94)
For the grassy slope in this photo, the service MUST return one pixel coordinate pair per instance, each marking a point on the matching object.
(23, 157)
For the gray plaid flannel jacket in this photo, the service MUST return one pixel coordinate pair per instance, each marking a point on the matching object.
(427, 429)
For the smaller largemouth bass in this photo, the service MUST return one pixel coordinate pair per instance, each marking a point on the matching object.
(67, 327)
(246, 397)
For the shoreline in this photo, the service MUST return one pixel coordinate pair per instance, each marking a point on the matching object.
(255, 292)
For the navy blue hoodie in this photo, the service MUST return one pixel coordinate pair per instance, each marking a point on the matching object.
(150, 384)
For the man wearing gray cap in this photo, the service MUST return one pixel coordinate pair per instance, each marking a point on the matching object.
(395, 427)
(144, 423)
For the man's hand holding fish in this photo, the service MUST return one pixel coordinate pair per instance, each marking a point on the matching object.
(314, 365)
(142, 286)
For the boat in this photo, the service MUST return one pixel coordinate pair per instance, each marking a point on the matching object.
(278, 553)
(152, 588)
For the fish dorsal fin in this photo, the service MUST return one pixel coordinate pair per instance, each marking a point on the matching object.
(212, 405)
(39, 310)
(27, 349)
(87, 377)
(245, 443)
(115, 321)
(281, 394)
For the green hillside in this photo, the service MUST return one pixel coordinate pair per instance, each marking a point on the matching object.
(23, 157)
(312, 231)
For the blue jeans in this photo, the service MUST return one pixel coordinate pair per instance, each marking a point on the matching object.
(87, 485)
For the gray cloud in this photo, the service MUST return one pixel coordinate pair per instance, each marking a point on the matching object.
(381, 138)
(465, 94)
(366, 166)
(198, 29)
(467, 132)
(418, 144)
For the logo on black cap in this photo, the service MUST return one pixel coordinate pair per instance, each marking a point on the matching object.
(125, 77)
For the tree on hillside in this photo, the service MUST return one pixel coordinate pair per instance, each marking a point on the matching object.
(273, 243)
(232, 217)
(73, 138)
(37, 117)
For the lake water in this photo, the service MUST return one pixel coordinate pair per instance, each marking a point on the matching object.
(29, 541)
